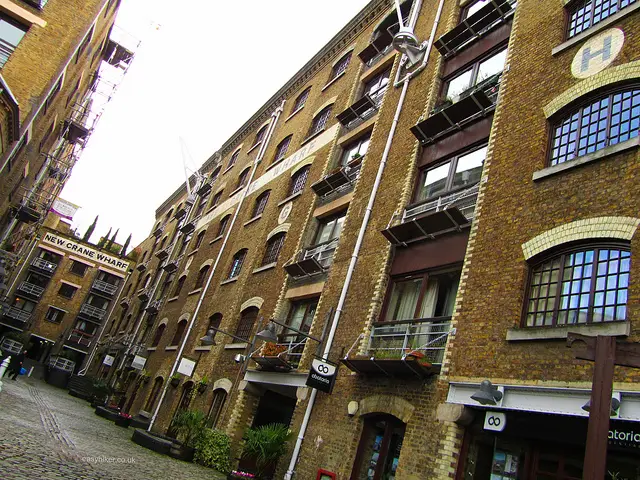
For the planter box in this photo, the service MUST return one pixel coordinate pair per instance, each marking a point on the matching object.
(123, 421)
(107, 413)
(180, 452)
(175, 382)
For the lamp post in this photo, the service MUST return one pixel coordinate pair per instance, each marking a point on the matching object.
(269, 333)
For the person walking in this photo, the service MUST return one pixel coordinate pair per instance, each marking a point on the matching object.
(15, 364)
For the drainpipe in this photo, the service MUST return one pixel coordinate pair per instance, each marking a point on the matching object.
(245, 191)
(24, 264)
(356, 249)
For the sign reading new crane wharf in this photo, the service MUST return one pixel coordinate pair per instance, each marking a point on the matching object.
(84, 251)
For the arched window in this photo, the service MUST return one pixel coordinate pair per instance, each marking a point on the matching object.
(216, 199)
(243, 177)
(301, 100)
(247, 320)
(179, 286)
(202, 276)
(214, 174)
(169, 213)
(217, 402)
(127, 322)
(127, 290)
(223, 225)
(579, 285)
(153, 396)
(236, 263)
(274, 245)
(233, 159)
(158, 335)
(340, 66)
(261, 203)
(177, 337)
(260, 135)
(162, 243)
(281, 149)
(199, 239)
(202, 203)
(319, 122)
(610, 119)
(214, 323)
(144, 255)
(298, 180)
(166, 284)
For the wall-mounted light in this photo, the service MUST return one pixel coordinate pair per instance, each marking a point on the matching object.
(615, 405)
(488, 394)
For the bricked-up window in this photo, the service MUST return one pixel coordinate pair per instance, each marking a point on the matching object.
(202, 276)
(261, 203)
(247, 320)
(233, 159)
(608, 120)
(320, 121)
(54, 315)
(223, 225)
(298, 180)
(236, 263)
(179, 285)
(260, 136)
(301, 100)
(580, 285)
(158, 335)
(78, 268)
(281, 149)
(11, 33)
(340, 66)
(177, 337)
(67, 291)
(217, 402)
(271, 253)
(85, 43)
(586, 13)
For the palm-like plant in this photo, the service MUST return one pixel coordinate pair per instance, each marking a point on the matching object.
(266, 444)
(189, 424)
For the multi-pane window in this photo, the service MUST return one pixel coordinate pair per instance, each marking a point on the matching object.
(320, 121)
(260, 135)
(166, 284)
(261, 203)
(247, 320)
(179, 285)
(473, 8)
(201, 204)
(214, 323)
(11, 33)
(355, 149)
(609, 120)
(202, 275)
(301, 315)
(185, 243)
(274, 245)
(475, 74)
(422, 296)
(330, 228)
(236, 263)
(459, 172)
(243, 177)
(340, 66)
(301, 100)
(182, 325)
(281, 149)
(587, 13)
(587, 285)
(67, 291)
(54, 315)
(376, 87)
(298, 180)
(223, 225)
(233, 159)
(78, 268)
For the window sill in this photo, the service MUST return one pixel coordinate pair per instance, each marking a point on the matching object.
(311, 137)
(171, 348)
(254, 147)
(173, 299)
(227, 169)
(237, 190)
(151, 349)
(609, 329)
(206, 348)
(290, 197)
(293, 114)
(254, 219)
(236, 346)
(229, 280)
(217, 239)
(268, 266)
(334, 80)
(193, 292)
(274, 164)
(586, 159)
(597, 28)
(192, 253)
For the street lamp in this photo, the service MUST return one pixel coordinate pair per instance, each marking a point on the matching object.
(209, 340)
(269, 333)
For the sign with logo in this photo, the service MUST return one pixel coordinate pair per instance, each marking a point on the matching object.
(186, 367)
(138, 362)
(84, 251)
(597, 53)
(64, 209)
(624, 435)
(284, 212)
(108, 360)
(495, 421)
(322, 375)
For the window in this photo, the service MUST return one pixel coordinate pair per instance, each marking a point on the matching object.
(587, 13)
(11, 33)
(376, 87)
(301, 100)
(340, 66)
(167, 284)
(261, 203)
(43, 143)
(201, 204)
(581, 285)
(24, 305)
(214, 323)
(330, 228)
(67, 291)
(355, 150)
(54, 315)
(233, 159)
(202, 276)
(319, 122)
(219, 397)
(216, 199)
(260, 136)
(473, 8)
(223, 225)
(153, 396)
(247, 319)
(236, 263)
(609, 120)
(243, 177)
(422, 296)
(179, 285)
(53, 95)
(301, 315)
(281, 149)
(85, 43)
(298, 180)
(471, 77)
(199, 239)
(158, 335)
(459, 172)
(271, 253)
(214, 175)
(177, 337)
(185, 243)
(78, 268)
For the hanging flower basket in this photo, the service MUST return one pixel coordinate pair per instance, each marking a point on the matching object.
(175, 382)
(202, 387)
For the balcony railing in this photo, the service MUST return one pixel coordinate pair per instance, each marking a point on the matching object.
(106, 287)
(31, 289)
(362, 110)
(92, 312)
(17, 314)
(158, 231)
(143, 294)
(434, 217)
(154, 307)
(44, 265)
(190, 226)
(173, 265)
(141, 267)
(339, 182)
(313, 260)
(80, 337)
(63, 364)
(162, 254)
(283, 356)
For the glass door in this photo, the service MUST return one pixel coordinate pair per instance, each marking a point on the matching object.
(379, 449)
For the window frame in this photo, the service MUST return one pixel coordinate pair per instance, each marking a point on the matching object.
(246, 323)
(78, 274)
(349, 147)
(325, 222)
(233, 159)
(63, 285)
(179, 333)
(282, 148)
(299, 180)
(319, 122)
(243, 178)
(340, 67)
(260, 204)
(273, 249)
(474, 67)
(236, 263)
(573, 7)
(179, 286)
(19, 26)
(202, 275)
(260, 134)
(301, 100)
(222, 226)
(59, 314)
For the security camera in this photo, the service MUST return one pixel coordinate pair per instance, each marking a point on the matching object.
(239, 358)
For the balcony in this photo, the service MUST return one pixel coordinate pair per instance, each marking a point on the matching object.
(283, 356)
(184, 208)
(60, 363)
(11, 346)
(475, 26)
(43, 265)
(154, 307)
(408, 348)
(473, 104)
(173, 265)
(105, 287)
(434, 217)
(79, 339)
(362, 110)
(313, 260)
(91, 312)
(205, 188)
(158, 231)
(116, 55)
(162, 254)
(190, 226)
(30, 290)
(143, 294)
(75, 131)
(338, 182)
(141, 267)
(125, 301)
(27, 212)
(15, 318)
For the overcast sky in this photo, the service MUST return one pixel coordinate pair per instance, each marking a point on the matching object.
(200, 72)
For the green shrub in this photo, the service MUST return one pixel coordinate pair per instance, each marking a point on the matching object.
(188, 424)
(266, 444)
(213, 449)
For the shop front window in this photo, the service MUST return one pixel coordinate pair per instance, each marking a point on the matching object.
(379, 449)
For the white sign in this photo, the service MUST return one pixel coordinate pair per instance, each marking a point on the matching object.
(311, 147)
(138, 362)
(186, 366)
(84, 251)
(323, 368)
(64, 209)
(108, 360)
(495, 421)
(597, 53)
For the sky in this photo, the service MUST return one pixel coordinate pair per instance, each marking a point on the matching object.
(198, 74)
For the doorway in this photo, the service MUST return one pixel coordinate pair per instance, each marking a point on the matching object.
(379, 448)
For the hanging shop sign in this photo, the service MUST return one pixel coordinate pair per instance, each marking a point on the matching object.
(186, 366)
(322, 375)
(495, 421)
(138, 362)
(108, 360)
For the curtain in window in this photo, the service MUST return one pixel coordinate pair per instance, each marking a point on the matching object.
(404, 299)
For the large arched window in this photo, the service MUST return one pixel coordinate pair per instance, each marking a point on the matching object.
(202, 276)
(298, 180)
(214, 323)
(247, 320)
(260, 136)
(243, 177)
(274, 245)
(158, 335)
(281, 149)
(223, 225)
(340, 66)
(579, 285)
(177, 337)
(261, 203)
(608, 120)
(320, 121)
(301, 100)
(233, 159)
(217, 402)
(179, 286)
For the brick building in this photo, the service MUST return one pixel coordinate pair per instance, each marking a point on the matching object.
(404, 217)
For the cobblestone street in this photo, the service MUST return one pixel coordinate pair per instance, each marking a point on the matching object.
(48, 434)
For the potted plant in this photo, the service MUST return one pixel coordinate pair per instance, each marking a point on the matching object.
(144, 376)
(417, 356)
(213, 450)
(188, 425)
(175, 379)
(123, 420)
(101, 390)
(356, 158)
(203, 384)
(265, 445)
(270, 349)
(442, 105)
